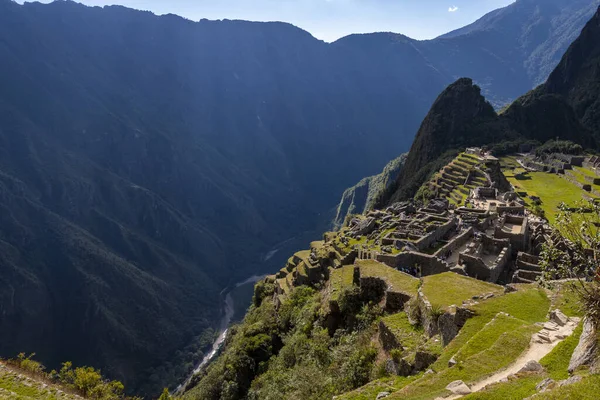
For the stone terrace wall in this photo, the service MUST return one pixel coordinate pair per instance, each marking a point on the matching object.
(430, 265)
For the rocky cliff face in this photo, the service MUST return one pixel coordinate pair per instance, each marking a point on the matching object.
(362, 196)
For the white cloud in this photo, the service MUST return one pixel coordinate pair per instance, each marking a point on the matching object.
(453, 9)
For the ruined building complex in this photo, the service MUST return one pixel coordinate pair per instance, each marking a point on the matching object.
(492, 238)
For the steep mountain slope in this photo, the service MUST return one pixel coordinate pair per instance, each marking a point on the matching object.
(577, 77)
(148, 162)
(541, 31)
(566, 106)
(349, 319)
(363, 195)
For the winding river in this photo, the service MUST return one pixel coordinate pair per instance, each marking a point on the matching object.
(228, 308)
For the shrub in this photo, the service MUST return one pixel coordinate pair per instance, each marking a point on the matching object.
(26, 363)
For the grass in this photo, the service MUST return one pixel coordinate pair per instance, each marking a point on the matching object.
(17, 386)
(586, 172)
(409, 336)
(339, 279)
(514, 389)
(396, 279)
(449, 288)
(550, 188)
(496, 346)
(557, 361)
(567, 300)
(488, 335)
(530, 305)
(509, 345)
(588, 388)
(370, 390)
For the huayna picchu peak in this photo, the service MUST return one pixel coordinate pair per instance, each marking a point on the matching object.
(168, 216)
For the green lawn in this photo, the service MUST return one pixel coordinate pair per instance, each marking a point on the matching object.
(550, 188)
(396, 279)
(449, 288)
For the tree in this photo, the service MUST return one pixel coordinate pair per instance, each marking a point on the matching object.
(573, 254)
(165, 395)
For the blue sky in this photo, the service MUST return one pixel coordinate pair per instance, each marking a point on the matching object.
(331, 19)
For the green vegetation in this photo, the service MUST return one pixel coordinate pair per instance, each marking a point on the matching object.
(559, 146)
(26, 377)
(514, 389)
(587, 389)
(557, 361)
(509, 345)
(340, 279)
(574, 255)
(396, 279)
(530, 305)
(567, 300)
(550, 188)
(449, 288)
(409, 336)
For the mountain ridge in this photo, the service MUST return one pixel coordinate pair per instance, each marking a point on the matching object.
(147, 162)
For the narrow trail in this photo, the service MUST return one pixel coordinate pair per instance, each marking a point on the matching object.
(542, 343)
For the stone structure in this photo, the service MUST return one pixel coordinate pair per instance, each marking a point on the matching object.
(485, 258)
(515, 228)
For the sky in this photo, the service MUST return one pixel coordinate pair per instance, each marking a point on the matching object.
(330, 19)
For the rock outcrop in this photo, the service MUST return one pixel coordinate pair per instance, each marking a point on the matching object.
(586, 352)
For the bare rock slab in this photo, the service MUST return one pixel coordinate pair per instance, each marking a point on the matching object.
(458, 387)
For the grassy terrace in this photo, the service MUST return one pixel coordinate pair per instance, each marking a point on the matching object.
(396, 279)
(449, 288)
(586, 172)
(550, 188)
(503, 341)
(409, 336)
(339, 279)
(498, 344)
(556, 364)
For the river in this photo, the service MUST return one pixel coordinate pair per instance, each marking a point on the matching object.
(228, 308)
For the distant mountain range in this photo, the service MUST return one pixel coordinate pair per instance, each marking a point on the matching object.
(148, 162)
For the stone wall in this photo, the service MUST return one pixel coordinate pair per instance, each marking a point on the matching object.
(519, 241)
(435, 236)
(429, 265)
(455, 243)
(395, 300)
(477, 268)
(451, 322)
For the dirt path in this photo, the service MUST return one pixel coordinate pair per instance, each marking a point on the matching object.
(542, 343)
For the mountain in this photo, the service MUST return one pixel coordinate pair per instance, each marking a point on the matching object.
(363, 195)
(386, 308)
(147, 163)
(540, 31)
(565, 107)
